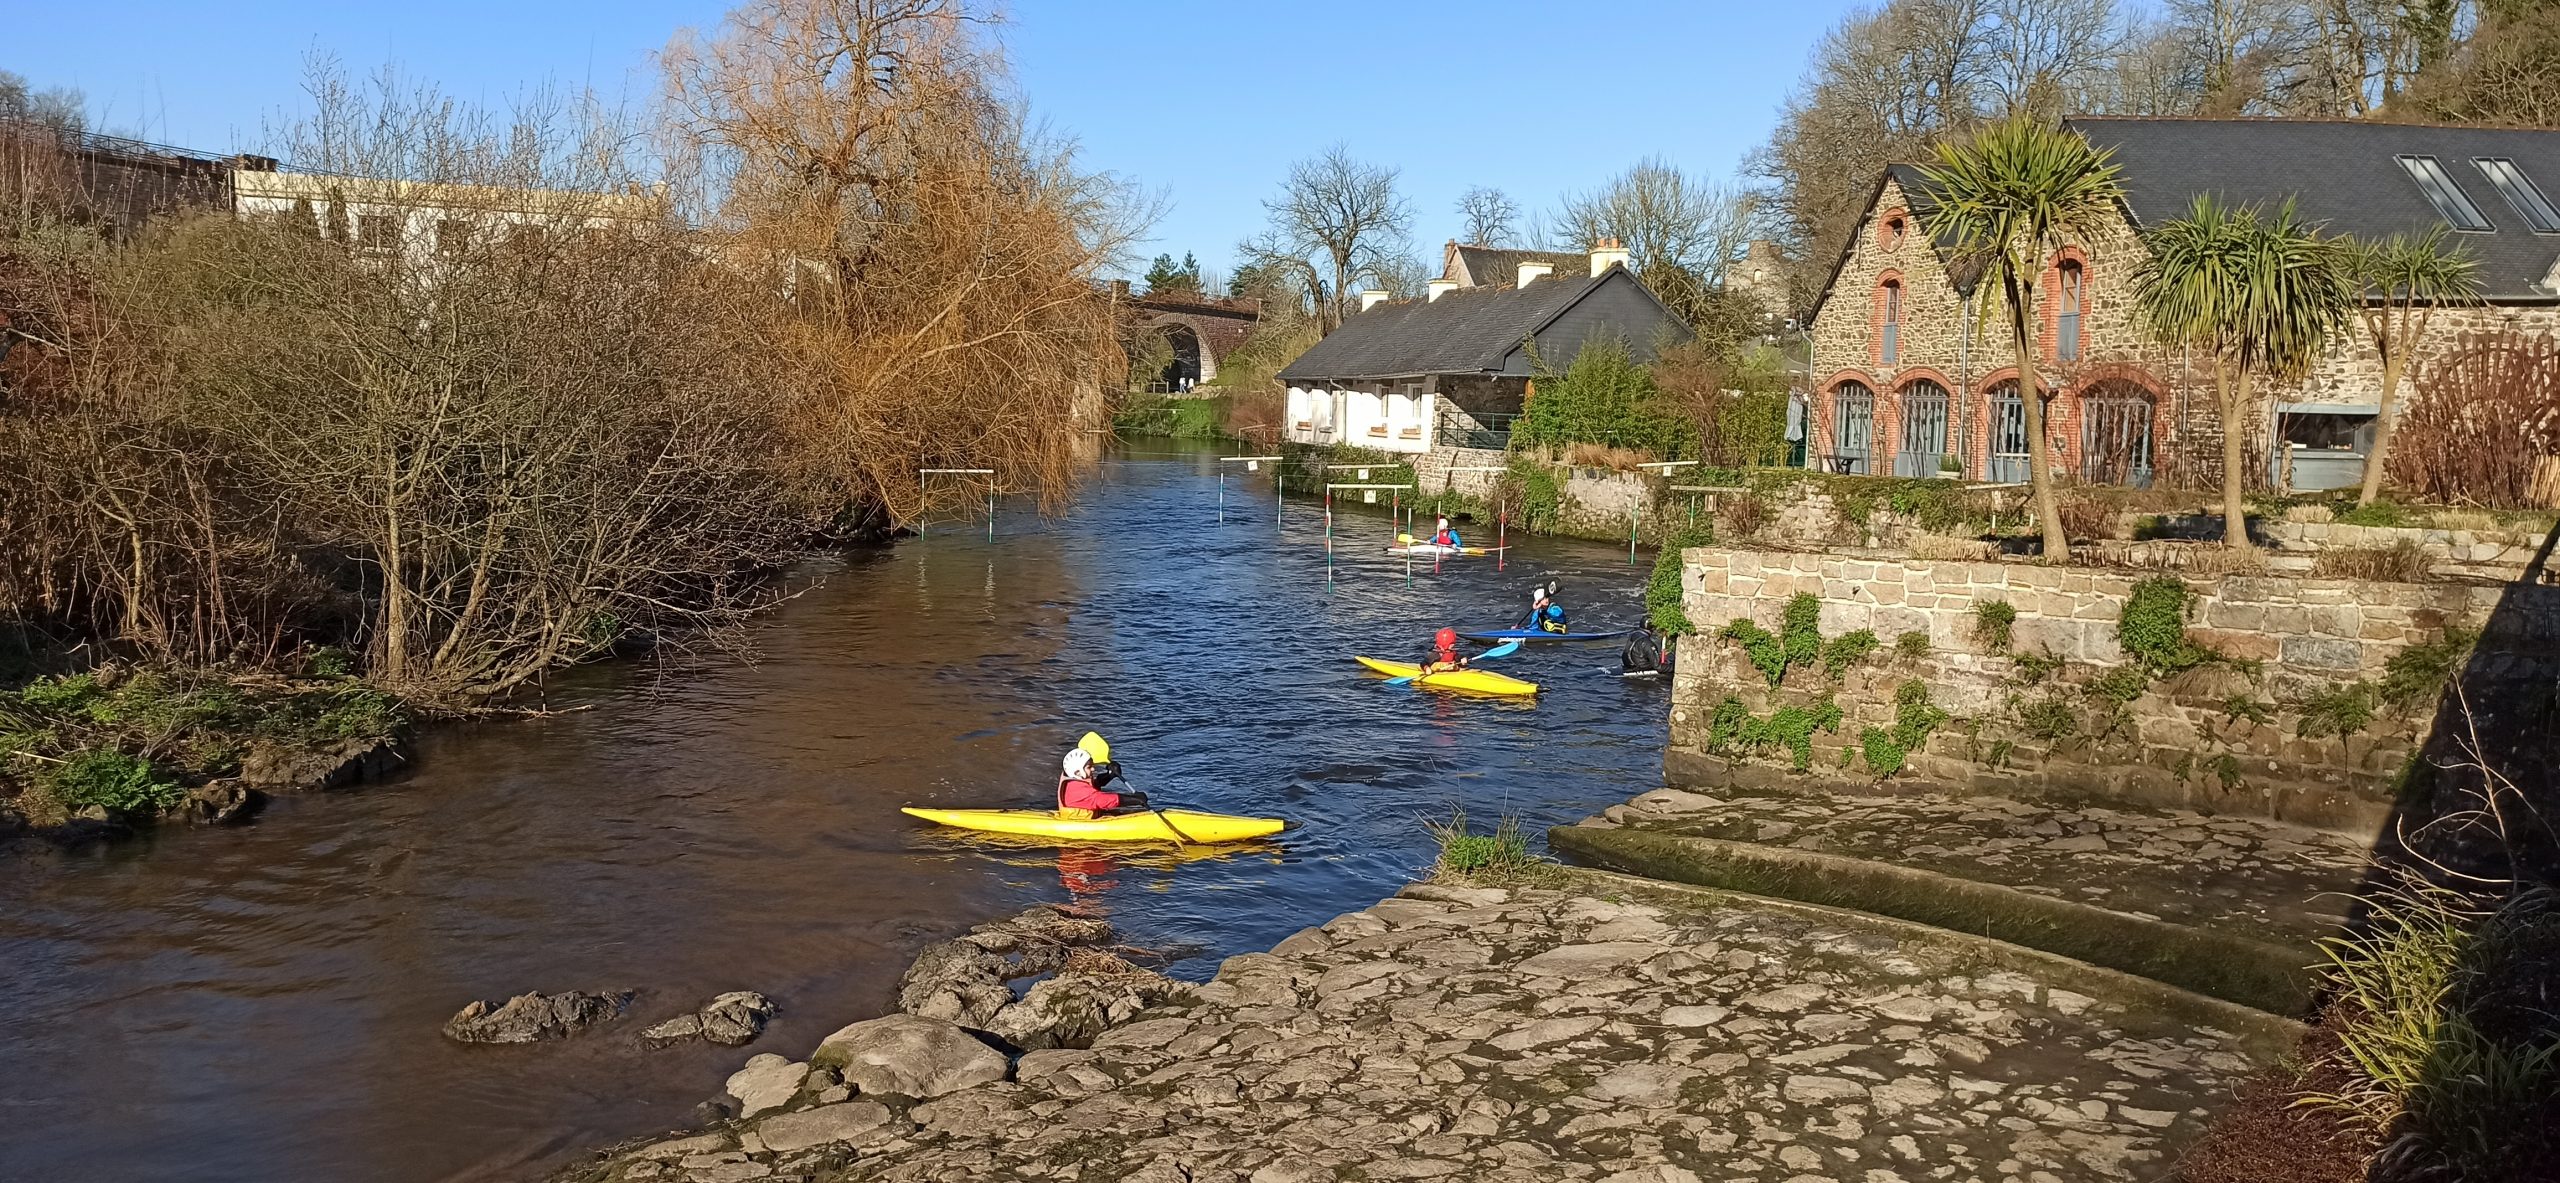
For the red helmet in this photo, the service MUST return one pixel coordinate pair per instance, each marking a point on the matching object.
(1446, 638)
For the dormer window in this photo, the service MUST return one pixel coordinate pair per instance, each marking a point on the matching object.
(2452, 204)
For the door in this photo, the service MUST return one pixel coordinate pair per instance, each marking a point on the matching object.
(1924, 430)
(1853, 428)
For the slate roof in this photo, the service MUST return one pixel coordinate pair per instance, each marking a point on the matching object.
(1497, 267)
(1465, 331)
(1961, 271)
(2344, 174)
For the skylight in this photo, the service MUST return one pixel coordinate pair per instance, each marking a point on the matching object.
(2450, 201)
(2520, 192)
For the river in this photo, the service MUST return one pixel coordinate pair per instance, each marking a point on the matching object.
(261, 1002)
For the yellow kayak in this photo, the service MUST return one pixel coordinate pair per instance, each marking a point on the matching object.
(1162, 825)
(1473, 681)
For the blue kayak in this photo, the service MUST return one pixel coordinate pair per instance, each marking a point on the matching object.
(1531, 634)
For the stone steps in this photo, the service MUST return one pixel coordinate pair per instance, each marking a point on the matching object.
(2227, 906)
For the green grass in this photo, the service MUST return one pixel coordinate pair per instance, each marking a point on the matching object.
(1501, 857)
(1662, 594)
(1181, 418)
(1993, 620)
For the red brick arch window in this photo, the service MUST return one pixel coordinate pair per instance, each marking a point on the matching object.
(2066, 306)
(1889, 320)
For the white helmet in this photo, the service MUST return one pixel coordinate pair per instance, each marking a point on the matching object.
(1077, 764)
(1537, 595)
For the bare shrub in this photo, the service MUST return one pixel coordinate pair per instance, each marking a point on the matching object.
(1742, 516)
(2086, 517)
(2402, 562)
(2484, 416)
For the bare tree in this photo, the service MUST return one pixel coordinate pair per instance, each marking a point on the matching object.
(2054, 57)
(1488, 217)
(61, 108)
(1338, 223)
(1680, 231)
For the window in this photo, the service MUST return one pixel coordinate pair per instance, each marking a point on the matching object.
(1853, 423)
(1893, 229)
(1889, 338)
(377, 232)
(2520, 192)
(2066, 321)
(2451, 203)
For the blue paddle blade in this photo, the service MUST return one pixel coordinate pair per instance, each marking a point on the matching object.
(1401, 681)
(1505, 649)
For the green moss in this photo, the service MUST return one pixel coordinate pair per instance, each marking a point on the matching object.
(2121, 684)
(1734, 730)
(2048, 718)
(2339, 712)
(2034, 668)
(1846, 650)
(2242, 708)
(1531, 492)
(2382, 512)
(1800, 629)
(1662, 594)
(1912, 645)
(2416, 675)
(1761, 646)
(2153, 628)
(1993, 620)
(1887, 749)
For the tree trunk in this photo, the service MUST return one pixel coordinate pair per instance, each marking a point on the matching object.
(2057, 546)
(2233, 397)
(2393, 363)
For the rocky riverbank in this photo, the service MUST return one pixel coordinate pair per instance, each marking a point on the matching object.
(1587, 1026)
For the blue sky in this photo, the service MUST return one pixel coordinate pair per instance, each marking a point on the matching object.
(1205, 103)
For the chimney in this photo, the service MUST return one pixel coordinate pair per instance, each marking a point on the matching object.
(1534, 271)
(1371, 298)
(1606, 254)
(1441, 287)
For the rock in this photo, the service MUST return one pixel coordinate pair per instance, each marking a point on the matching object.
(1786, 1000)
(1646, 1086)
(963, 981)
(910, 1056)
(1588, 960)
(767, 1082)
(1693, 1016)
(682, 1147)
(218, 803)
(730, 1019)
(1546, 1031)
(1071, 1009)
(1822, 1090)
(529, 1017)
(785, 1132)
(283, 768)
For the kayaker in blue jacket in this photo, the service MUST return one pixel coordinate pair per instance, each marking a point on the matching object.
(1545, 614)
(1447, 536)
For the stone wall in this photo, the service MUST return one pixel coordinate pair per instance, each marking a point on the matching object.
(2225, 737)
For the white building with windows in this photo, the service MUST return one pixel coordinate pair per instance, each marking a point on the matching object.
(1454, 369)
(417, 221)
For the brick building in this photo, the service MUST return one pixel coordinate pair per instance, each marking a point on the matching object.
(1915, 374)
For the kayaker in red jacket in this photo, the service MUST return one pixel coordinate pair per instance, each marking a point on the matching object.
(1080, 791)
(1444, 653)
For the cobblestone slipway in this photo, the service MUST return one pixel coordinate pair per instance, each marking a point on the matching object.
(1588, 1027)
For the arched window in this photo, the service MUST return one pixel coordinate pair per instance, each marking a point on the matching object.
(2073, 281)
(1853, 428)
(1924, 430)
(1895, 226)
(1889, 327)
(2115, 433)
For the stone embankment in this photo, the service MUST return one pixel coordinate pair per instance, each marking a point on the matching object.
(1585, 1026)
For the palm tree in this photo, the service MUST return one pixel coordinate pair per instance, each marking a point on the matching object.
(2257, 295)
(2009, 196)
(2404, 280)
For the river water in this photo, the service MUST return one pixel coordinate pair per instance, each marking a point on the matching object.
(262, 1002)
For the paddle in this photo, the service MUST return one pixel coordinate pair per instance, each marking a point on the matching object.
(1505, 649)
(1179, 838)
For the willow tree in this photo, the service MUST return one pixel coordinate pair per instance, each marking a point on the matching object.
(2257, 294)
(2404, 281)
(940, 255)
(2010, 195)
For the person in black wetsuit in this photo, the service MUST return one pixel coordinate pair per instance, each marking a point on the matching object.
(1647, 652)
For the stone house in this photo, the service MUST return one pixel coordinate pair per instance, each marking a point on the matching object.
(1915, 374)
(1453, 369)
